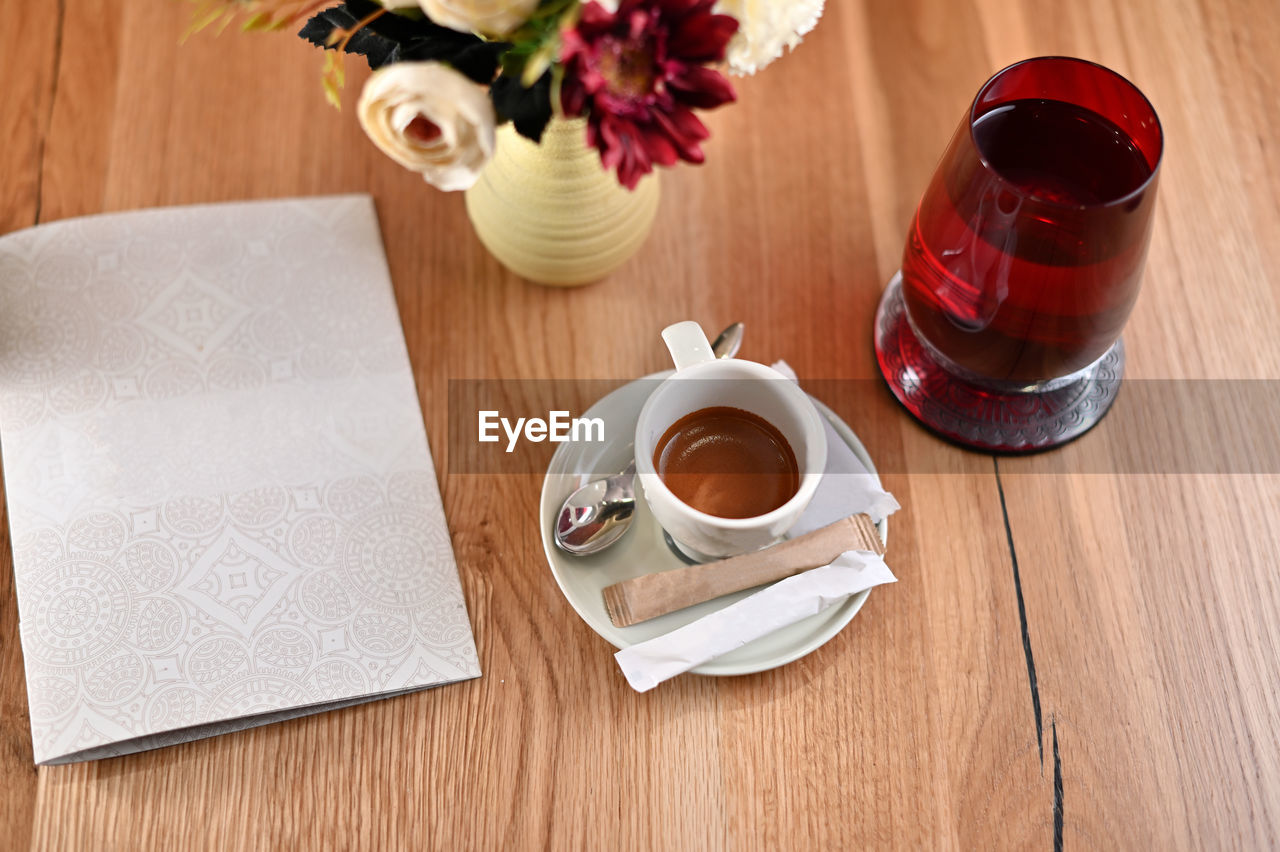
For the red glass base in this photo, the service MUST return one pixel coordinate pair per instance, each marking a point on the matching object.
(979, 417)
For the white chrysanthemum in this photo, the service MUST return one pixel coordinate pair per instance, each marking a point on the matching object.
(766, 28)
(489, 17)
(431, 119)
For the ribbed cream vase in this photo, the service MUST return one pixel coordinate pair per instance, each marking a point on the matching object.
(552, 214)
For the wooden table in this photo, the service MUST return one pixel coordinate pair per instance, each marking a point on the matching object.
(1072, 657)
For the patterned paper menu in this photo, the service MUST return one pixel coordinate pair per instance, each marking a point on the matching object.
(222, 502)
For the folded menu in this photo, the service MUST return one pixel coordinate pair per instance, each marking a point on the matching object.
(222, 503)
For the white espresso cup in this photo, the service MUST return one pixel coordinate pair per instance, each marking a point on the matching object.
(703, 381)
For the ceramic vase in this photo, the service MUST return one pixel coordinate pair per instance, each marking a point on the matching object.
(552, 214)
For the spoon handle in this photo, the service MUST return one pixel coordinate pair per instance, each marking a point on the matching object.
(651, 595)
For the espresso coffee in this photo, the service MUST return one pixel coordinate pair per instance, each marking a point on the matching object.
(727, 462)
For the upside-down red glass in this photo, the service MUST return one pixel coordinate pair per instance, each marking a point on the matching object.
(1024, 259)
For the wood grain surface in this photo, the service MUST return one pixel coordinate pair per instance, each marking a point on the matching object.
(1083, 650)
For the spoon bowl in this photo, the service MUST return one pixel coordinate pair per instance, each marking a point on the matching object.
(597, 514)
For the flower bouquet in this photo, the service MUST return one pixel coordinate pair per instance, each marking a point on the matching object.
(458, 84)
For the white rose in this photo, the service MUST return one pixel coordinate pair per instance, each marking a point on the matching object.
(491, 17)
(765, 29)
(431, 119)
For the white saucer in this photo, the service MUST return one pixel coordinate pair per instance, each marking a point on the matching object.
(643, 551)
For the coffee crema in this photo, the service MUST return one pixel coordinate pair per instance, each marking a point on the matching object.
(727, 462)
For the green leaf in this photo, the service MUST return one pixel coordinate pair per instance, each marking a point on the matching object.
(203, 18)
(227, 17)
(259, 21)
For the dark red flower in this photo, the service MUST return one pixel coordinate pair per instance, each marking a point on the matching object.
(639, 73)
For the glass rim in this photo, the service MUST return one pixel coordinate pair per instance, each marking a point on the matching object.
(1119, 201)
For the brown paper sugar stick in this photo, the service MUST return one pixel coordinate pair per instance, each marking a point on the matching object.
(642, 598)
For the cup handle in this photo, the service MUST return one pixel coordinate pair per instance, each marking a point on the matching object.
(687, 344)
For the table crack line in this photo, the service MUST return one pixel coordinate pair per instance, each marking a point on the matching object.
(1022, 619)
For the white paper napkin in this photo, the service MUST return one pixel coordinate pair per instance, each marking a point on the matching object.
(650, 663)
(847, 488)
